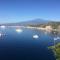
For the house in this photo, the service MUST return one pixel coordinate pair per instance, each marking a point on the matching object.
(48, 28)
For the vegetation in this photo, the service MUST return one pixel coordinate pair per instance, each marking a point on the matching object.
(37, 25)
(54, 25)
(56, 50)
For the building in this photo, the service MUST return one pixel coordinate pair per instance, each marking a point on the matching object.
(48, 28)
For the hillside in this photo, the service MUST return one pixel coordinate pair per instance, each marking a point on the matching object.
(56, 50)
(29, 22)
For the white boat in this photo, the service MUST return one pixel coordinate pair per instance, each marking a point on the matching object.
(19, 30)
(35, 36)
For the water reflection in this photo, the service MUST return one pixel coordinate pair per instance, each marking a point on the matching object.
(19, 30)
(3, 27)
(0, 34)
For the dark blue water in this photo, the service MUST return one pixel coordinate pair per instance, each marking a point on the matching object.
(22, 46)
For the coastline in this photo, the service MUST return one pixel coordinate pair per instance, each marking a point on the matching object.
(56, 50)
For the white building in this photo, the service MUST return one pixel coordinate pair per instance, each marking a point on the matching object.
(48, 28)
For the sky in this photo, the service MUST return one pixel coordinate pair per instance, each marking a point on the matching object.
(25, 10)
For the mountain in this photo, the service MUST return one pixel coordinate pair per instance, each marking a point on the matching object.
(35, 21)
(38, 21)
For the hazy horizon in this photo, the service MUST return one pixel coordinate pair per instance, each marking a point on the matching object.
(12, 11)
